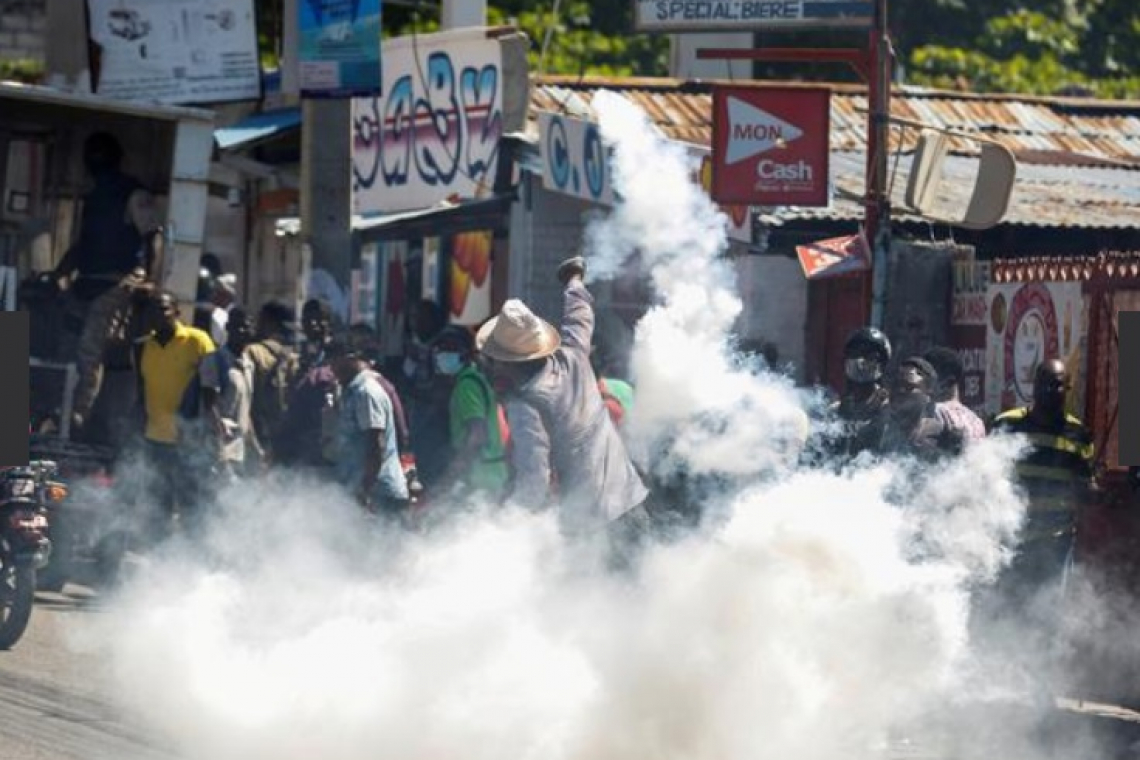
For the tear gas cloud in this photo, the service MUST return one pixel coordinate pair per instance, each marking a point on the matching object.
(825, 612)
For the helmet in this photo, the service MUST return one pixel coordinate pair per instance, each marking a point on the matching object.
(870, 338)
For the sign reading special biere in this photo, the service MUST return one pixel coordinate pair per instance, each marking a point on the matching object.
(710, 15)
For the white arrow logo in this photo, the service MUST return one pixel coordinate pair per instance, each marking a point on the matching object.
(753, 131)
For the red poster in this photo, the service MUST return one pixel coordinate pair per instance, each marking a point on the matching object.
(771, 146)
(835, 256)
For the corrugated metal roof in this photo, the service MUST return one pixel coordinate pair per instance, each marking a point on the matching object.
(1107, 130)
(1043, 196)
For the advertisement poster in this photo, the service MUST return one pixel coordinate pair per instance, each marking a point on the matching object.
(340, 48)
(1028, 322)
(835, 257)
(176, 51)
(771, 146)
(739, 15)
(574, 160)
(393, 304)
(364, 286)
(469, 299)
(968, 319)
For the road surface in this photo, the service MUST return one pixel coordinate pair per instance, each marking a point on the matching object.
(54, 702)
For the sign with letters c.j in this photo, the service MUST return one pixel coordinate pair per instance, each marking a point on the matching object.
(771, 146)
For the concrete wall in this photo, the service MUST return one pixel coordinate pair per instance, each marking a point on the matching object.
(23, 29)
(775, 294)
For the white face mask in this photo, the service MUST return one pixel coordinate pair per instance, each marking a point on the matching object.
(863, 369)
(448, 363)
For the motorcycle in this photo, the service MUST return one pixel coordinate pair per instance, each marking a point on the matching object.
(25, 493)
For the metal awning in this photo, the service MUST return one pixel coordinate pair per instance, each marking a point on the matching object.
(49, 96)
(449, 219)
(257, 128)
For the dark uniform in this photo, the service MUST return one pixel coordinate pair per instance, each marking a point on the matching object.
(1057, 473)
(864, 422)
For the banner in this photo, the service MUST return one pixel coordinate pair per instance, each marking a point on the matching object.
(434, 134)
(176, 51)
(574, 160)
(1027, 323)
(743, 15)
(835, 256)
(340, 48)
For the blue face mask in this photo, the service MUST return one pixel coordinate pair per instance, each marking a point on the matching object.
(448, 362)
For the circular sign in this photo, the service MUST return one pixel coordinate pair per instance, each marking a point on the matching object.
(1030, 338)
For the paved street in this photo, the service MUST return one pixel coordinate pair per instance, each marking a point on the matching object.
(54, 701)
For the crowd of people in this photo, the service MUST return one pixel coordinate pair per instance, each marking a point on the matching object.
(919, 414)
(516, 410)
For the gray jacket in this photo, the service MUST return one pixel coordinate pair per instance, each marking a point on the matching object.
(560, 426)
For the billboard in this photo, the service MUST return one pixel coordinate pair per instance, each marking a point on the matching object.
(340, 48)
(434, 133)
(771, 146)
(175, 52)
(574, 160)
(739, 15)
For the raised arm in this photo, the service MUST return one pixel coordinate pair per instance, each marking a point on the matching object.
(577, 306)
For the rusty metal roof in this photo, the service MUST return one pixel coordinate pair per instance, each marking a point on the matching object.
(1043, 196)
(1064, 131)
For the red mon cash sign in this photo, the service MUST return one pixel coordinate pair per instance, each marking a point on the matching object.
(771, 146)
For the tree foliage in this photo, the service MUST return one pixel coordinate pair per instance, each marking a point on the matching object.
(1030, 46)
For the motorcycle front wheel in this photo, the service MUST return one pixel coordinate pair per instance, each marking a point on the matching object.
(17, 595)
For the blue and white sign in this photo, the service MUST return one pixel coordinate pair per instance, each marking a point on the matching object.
(340, 48)
(574, 159)
(740, 15)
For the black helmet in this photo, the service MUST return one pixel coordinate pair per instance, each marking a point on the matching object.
(872, 338)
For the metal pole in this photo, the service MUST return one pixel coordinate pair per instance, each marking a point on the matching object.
(878, 213)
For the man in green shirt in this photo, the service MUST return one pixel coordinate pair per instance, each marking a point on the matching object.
(478, 463)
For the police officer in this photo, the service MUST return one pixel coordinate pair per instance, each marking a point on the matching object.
(865, 358)
(1057, 473)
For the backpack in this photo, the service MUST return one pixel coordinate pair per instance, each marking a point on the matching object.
(273, 389)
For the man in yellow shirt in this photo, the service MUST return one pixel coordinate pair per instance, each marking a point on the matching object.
(181, 382)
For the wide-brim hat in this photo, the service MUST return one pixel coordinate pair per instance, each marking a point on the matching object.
(517, 335)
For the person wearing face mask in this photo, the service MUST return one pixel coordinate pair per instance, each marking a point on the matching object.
(1057, 474)
(478, 464)
(866, 356)
(912, 425)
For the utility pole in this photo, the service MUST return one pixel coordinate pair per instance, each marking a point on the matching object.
(326, 180)
(878, 202)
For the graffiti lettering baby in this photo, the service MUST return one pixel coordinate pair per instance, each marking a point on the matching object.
(435, 133)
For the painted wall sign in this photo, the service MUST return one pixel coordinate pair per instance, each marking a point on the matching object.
(435, 131)
(469, 278)
(340, 48)
(706, 15)
(176, 51)
(969, 316)
(1028, 323)
(771, 146)
(574, 160)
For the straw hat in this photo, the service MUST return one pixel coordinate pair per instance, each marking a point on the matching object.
(517, 335)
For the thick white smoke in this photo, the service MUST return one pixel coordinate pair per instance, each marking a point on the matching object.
(825, 614)
(695, 408)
